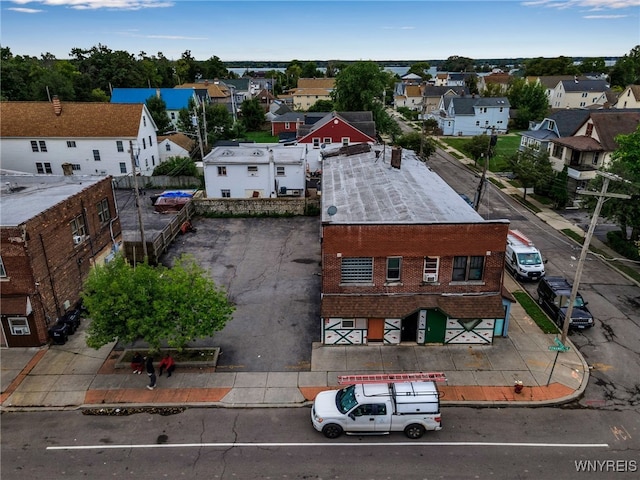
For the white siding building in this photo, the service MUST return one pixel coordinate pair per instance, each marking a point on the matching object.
(255, 171)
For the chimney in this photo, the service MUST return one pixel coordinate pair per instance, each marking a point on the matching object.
(157, 92)
(206, 82)
(396, 157)
(57, 106)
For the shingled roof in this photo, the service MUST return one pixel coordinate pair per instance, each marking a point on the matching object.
(610, 123)
(398, 306)
(75, 119)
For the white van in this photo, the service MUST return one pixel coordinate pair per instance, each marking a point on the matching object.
(378, 408)
(522, 258)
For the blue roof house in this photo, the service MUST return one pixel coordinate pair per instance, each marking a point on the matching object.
(175, 98)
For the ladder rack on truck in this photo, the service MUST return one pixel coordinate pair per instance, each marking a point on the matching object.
(392, 378)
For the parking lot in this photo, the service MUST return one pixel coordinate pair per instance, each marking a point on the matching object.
(270, 268)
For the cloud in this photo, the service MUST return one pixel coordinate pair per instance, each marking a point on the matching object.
(24, 10)
(591, 4)
(100, 4)
(595, 17)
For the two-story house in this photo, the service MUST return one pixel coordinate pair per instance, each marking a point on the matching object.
(255, 171)
(310, 90)
(408, 96)
(580, 94)
(629, 98)
(95, 138)
(175, 145)
(561, 123)
(473, 115)
(404, 257)
(590, 147)
(52, 230)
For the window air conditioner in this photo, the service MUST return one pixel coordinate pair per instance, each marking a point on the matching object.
(78, 239)
(20, 331)
(431, 277)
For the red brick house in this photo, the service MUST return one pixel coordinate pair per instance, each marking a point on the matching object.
(404, 257)
(52, 230)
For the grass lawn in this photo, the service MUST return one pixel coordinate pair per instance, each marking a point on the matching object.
(507, 145)
(534, 311)
(261, 137)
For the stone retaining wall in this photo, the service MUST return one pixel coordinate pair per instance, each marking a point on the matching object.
(256, 206)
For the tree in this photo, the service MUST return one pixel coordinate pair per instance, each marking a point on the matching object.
(177, 167)
(420, 68)
(596, 65)
(550, 66)
(214, 68)
(416, 142)
(158, 110)
(321, 106)
(532, 168)
(625, 164)
(559, 193)
(530, 101)
(219, 123)
(310, 70)
(252, 114)
(626, 71)
(456, 63)
(477, 147)
(156, 304)
(359, 87)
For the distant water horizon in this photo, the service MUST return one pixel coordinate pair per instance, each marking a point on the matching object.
(399, 69)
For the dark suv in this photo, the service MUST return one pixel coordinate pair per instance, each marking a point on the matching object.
(553, 296)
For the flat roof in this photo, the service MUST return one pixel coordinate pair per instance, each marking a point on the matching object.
(25, 196)
(365, 189)
(256, 153)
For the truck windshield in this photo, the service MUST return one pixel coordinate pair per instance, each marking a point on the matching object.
(346, 399)
(529, 259)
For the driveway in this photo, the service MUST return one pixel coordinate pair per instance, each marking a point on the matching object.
(270, 268)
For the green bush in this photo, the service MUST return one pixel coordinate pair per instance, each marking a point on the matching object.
(177, 167)
(624, 247)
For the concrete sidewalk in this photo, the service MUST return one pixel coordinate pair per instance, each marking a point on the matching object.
(74, 375)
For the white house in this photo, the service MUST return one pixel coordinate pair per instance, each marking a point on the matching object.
(473, 115)
(93, 138)
(629, 98)
(175, 145)
(578, 93)
(254, 170)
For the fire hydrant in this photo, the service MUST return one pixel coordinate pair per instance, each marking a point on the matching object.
(518, 386)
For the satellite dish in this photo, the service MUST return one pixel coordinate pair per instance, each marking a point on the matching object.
(332, 210)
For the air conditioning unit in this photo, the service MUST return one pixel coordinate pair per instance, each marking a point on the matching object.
(78, 239)
(430, 277)
(20, 331)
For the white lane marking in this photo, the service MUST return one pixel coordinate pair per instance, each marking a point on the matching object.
(330, 444)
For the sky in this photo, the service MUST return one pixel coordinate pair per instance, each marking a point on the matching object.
(324, 30)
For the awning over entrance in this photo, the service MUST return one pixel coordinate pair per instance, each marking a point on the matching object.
(399, 306)
(20, 306)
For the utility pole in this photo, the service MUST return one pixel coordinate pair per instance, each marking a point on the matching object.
(195, 123)
(424, 109)
(135, 188)
(585, 246)
(492, 143)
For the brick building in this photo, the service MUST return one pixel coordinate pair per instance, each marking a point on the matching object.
(404, 257)
(52, 230)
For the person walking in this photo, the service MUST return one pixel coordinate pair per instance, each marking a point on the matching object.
(168, 363)
(137, 363)
(151, 372)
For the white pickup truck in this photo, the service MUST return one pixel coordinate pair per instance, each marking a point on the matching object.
(378, 408)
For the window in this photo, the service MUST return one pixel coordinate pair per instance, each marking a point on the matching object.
(477, 123)
(19, 326)
(167, 147)
(34, 146)
(78, 228)
(225, 193)
(144, 144)
(316, 142)
(326, 140)
(501, 108)
(287, 125)
(103, 210)
(173, 115)
(150, 142)
(357, 270)
(347, 324)
(71, 144)
(252, 170)
(146, 163)
(144, 120)
(123, 167)
(430, 269)
(153, 160)
(119, 146)
(467, 268)
(596, 157)
(43, 167)
(222, 171)
(3, 272)
(96, 155)
(584, 94)
(75, 167)
(393, 268)
(557, 151)
(589, 129)
(43, 146)
(551, 125)
(345, 141)
(280, 171)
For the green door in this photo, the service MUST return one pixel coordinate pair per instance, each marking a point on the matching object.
(436, 326)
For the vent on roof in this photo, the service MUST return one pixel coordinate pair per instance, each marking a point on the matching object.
(57, 106)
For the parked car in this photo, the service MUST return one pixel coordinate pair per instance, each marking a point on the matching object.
(554, 294)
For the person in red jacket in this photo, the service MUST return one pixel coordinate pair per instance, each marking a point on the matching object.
(168, 364)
